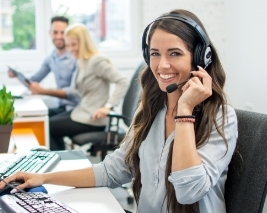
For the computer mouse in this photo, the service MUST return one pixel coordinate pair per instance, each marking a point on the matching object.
(9, 187)
(40, 148)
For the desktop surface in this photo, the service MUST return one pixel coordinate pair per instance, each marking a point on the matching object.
(30, 107)
(93, 200)
(26, 104)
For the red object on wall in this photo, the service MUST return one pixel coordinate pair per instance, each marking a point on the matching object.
(103, 20)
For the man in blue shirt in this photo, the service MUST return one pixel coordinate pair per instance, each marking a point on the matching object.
(60, 62)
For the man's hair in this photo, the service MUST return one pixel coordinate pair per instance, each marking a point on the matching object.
(60, 18)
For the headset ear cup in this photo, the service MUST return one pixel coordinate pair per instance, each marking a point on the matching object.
(145, 47)
(146, 54)
(197, 56)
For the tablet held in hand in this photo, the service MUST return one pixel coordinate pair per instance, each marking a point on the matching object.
(25, 81)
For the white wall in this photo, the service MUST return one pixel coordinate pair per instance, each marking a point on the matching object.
(238, 29)
(246, 33)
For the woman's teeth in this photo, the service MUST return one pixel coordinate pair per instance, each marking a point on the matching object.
(168, 76)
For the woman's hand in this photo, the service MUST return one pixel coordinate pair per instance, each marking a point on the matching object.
(30, 180)
(195, 91)
(101, 113)
(36, 88)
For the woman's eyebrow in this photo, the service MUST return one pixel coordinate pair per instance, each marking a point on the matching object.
(170, 49)
(176, 48)
(154, 49)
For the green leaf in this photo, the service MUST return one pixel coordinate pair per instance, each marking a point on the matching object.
(6, 107)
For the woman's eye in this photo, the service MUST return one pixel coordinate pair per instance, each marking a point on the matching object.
(175, 54)
(154, 54)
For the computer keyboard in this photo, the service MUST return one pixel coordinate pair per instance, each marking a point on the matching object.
(36, 202)
(33, 161)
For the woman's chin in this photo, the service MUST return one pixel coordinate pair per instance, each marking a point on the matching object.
(75, 55)
(163, 88)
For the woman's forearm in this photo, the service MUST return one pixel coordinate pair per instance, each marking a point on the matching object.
(184, 148)
(59, 93)
(76, 178)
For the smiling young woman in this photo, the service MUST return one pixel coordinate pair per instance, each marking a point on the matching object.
(179, 145)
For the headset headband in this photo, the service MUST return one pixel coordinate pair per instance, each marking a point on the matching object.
(187, 20)
(202, 52)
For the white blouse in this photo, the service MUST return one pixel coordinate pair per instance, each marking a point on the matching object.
(203, 184)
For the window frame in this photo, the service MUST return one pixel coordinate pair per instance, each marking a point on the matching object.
(43, 14)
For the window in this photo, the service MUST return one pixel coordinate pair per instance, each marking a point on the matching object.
(24, 26)
(17, 29)
(106, 20)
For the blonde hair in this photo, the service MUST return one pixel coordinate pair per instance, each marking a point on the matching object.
(87, 47)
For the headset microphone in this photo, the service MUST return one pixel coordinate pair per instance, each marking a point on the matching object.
(172, 87)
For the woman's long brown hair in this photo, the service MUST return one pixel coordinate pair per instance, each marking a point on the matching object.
(153, 100)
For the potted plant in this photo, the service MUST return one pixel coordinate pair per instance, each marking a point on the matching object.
(6, 118)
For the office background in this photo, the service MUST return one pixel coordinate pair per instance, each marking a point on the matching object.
(237, 28)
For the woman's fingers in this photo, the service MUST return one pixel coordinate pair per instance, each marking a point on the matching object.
(22, 186)
(197, 89)
(100, 113)
(18, 177)
(27, 180)
(13, 178)
(206, 79)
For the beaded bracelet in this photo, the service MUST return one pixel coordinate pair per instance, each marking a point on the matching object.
(191, 120)
(185, 118)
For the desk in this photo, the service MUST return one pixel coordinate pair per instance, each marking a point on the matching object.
(32, 113)
(22, 140)
(83, 200)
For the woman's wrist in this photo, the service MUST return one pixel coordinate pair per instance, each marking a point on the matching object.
(184, 110)
(45, 178)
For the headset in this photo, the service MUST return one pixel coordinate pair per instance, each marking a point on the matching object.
(202, 53)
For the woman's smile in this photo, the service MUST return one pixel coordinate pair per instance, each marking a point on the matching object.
(167, 76)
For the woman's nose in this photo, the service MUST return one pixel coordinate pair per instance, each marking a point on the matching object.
(164, 64)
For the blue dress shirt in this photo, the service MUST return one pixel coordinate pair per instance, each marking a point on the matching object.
(62, 66)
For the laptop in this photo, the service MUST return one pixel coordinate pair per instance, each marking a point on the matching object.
(25, 81)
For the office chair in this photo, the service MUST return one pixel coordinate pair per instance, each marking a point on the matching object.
(245, 188)
(113, 134)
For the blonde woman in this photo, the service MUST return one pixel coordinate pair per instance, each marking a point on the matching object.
(90, 88)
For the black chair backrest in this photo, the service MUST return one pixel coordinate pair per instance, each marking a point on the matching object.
(245, 189)
(132, 96)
